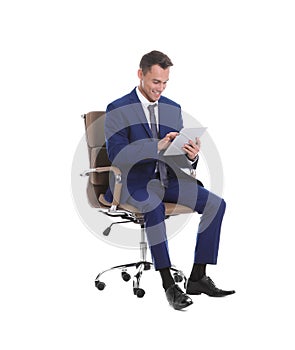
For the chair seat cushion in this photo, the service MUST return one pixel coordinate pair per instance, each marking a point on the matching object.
(170, 208)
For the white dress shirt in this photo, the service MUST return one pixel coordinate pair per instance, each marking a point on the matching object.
(145, 103)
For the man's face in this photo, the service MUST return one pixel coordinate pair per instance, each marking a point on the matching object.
(154, 82)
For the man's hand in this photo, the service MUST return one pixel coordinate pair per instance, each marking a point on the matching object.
(165, 142)
(192, 148)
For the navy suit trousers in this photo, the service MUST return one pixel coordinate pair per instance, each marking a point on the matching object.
(186, 192)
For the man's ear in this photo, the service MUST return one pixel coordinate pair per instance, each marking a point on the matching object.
(140, 74)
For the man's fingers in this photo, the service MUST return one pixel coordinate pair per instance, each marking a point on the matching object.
(171, 135)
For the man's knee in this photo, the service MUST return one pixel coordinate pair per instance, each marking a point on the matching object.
(222, 205)
(215, 204)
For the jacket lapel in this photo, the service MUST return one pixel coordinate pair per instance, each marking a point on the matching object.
(138, 111)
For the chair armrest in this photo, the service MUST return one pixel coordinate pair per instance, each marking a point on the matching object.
(118, 182)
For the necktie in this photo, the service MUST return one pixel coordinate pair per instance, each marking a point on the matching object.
(161, 165)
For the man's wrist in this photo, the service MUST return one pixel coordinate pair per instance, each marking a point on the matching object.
(195, 159)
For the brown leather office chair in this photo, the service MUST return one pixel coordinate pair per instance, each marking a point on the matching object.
(98, 181)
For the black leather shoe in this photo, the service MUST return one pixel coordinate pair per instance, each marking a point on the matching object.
(206, 285)
(177, 298)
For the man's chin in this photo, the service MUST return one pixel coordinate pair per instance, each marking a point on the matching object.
(155, 98)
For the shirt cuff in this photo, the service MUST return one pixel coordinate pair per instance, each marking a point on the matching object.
(194, 160)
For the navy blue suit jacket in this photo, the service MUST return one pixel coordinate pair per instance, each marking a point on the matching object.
(130, 144)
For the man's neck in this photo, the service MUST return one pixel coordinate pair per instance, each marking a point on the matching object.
(142, 97)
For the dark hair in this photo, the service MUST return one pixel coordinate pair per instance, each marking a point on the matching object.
(152, 58)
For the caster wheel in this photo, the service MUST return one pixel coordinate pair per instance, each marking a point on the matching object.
(139, 292)
(100, 285)
(177, 278)
(126, 277)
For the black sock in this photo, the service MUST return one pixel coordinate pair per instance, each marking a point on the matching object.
(167, 278)
(198, 271)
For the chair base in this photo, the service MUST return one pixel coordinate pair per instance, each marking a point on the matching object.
(140, 267)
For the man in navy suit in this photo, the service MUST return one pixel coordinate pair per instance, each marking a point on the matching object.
(139, 127)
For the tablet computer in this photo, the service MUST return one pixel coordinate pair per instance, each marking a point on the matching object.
(184, 136)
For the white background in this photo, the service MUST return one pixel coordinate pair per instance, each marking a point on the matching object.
(234, 71)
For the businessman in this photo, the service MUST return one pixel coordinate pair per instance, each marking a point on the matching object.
(139, 127)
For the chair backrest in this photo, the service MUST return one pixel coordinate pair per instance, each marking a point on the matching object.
(97, 152)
